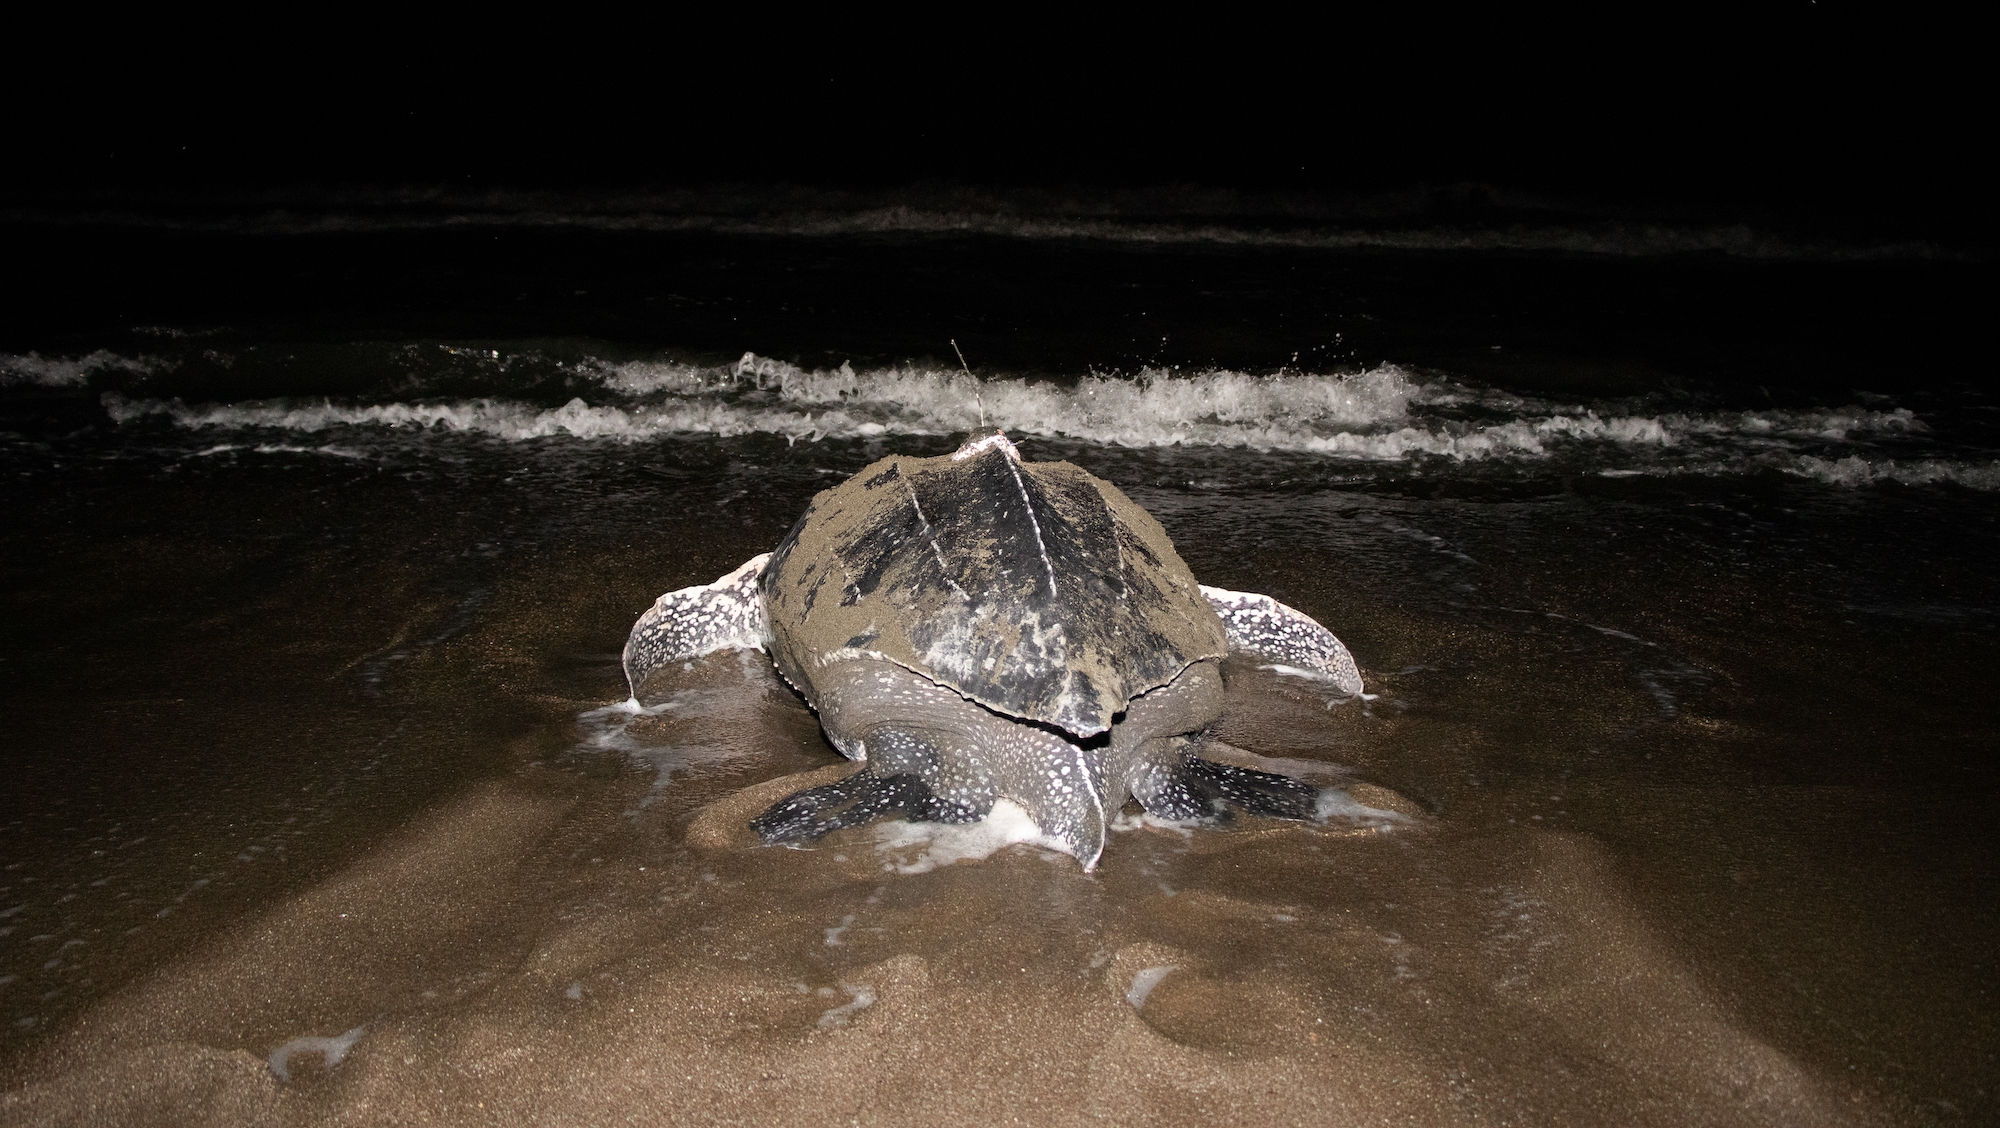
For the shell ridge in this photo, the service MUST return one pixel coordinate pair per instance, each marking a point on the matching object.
(1028, 506)
(930, 535)
(936, 555)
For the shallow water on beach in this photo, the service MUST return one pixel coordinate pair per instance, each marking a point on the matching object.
(1683, 704)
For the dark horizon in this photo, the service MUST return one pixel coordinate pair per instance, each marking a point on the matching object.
(1809, 118)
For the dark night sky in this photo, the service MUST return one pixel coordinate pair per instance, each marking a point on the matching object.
(1818, 113)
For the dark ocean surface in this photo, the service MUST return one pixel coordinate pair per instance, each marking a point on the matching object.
(1670, 556)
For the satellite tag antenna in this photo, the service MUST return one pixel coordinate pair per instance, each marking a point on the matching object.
(977, 399)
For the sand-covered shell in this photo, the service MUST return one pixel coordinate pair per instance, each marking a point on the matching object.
(1032, 588)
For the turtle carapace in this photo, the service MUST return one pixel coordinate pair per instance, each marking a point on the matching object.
(974, 628)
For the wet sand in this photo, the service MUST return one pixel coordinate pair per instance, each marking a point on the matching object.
(1426, 975)
(1317, 977)
(1598, 910)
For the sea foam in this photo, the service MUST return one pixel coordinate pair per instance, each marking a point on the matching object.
(860, 996)
(332, 1051)
(1855, 470)
(1143, 982)
(919, 847)
(1382, 415)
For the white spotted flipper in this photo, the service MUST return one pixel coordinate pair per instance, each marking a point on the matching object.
(725, 615)
(1287, 639)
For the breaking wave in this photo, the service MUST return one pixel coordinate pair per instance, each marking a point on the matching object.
(1855, 470)
(1384, 415)
(759, 395)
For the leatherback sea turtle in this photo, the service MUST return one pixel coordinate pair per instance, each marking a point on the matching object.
(975, 628)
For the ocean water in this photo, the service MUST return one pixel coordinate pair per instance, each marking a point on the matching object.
(1671, 564)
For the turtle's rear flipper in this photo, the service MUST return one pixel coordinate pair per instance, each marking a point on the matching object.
(1291, 640)
(698, 620)
(1189, 787)
(859, 799)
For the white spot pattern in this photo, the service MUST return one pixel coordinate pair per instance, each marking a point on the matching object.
(1257, 624)
(693, 621)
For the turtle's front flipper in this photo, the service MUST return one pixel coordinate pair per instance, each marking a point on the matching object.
(1179, 785)
(693, 621)
(859, 799)
(1261, 626)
